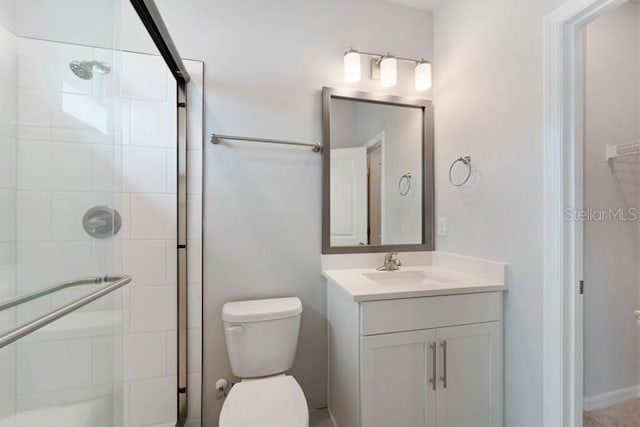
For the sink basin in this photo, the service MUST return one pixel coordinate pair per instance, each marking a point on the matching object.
(406, 278)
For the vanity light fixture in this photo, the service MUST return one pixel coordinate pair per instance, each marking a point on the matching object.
(388, 71)
(352, 71)
(423, 75)
(385, 68)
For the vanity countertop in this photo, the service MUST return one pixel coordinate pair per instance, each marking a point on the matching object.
(368, 284)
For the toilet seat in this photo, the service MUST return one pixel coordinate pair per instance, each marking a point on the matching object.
(266, 402)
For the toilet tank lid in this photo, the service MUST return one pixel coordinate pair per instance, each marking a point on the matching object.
(261, 310)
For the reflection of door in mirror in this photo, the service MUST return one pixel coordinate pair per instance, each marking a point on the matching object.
(349, 196)
(374, 161)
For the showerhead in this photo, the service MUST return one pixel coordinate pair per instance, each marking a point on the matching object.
(85, 69)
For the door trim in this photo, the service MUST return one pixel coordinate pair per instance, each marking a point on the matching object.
(562, 260)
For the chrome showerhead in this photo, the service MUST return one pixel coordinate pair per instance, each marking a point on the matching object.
(85, 69)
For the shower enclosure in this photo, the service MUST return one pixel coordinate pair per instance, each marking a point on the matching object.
(93, 206)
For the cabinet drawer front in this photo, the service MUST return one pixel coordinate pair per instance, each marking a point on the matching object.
(381, 317)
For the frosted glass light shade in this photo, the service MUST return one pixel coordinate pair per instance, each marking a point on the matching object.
(423, 76)
(388, 71)
(352, 72)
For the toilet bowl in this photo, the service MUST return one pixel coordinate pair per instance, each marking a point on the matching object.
(262, 337)
(266, 402)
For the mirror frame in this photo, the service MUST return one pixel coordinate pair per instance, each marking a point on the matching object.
(428, 175)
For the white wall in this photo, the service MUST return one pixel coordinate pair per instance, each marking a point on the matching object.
(266, 64)
(611, 247)
(488, 103)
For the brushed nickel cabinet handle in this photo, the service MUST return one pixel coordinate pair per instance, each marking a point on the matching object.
(433, 379)
(443, 344)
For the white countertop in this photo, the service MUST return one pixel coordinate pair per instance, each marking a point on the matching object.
(451, 280)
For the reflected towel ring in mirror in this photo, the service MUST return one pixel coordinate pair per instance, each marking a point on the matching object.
(466, 160)
(407, 187)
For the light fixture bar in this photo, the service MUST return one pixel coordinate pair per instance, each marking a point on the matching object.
(399, 58)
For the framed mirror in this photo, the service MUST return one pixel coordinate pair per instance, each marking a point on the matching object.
(378, 175)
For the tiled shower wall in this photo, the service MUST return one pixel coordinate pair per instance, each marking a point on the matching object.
(8, 142)
(105, 141)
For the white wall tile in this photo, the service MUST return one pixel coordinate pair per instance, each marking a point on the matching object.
(8, 147)
(145, 170)
(153, 216)
(7, 215)
(7, 391)
(172, 170)
(35, 56)
(153, 401)
(172, 352)
(153, 308)
(195, 306)
(34, 215)
(172, 262)
(144, 261)
(106, 168)
(33, 410)
(8, 56)
(125, 213)
(35, 108)
(84, 135)
(194, 212)
(105, 362)
(126, 122)
(194, 364)
(54, 166)
(153, 124)
(146, 355)
(49, 366)
(78, 111)
(8, 109)
(45, 263)
(143, 77)
(194, 165)
(194, 260)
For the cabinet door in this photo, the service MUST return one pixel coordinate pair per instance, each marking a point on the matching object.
(395, 386)
(470, 376)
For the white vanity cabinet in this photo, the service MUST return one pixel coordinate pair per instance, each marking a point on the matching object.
(415, 362)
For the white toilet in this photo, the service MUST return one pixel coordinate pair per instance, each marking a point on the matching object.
(262, 336)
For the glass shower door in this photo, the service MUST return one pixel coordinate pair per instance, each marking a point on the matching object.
(61, 201)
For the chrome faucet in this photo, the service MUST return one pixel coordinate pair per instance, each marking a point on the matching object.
(391, 263)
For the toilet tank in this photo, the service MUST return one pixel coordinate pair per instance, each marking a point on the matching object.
(261, 335)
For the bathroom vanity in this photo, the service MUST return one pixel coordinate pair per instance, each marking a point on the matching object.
(420, 346)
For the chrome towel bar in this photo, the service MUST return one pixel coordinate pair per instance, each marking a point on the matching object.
(216, 139)
(21, 299)
(116, 282)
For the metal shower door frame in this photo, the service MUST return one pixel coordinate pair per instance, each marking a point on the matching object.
(152, 20)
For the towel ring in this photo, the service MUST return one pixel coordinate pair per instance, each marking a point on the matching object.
(407, 177)
(466, 160)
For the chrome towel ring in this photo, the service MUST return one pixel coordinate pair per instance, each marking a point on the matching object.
(406, 177)
(466, 160)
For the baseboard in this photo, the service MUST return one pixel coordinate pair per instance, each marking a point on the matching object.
(611, 398)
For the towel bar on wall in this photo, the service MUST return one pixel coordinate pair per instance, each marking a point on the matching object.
(216, 139)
